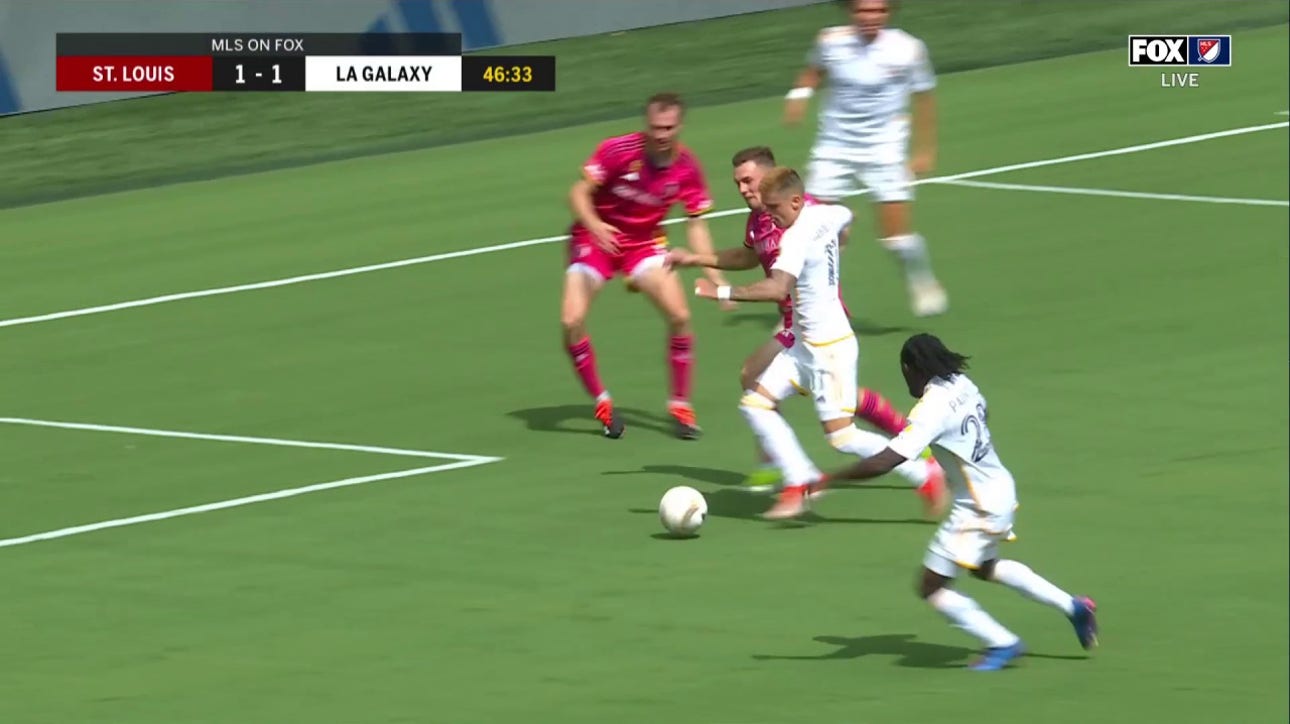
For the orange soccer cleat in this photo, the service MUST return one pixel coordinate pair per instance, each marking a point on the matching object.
(686, 426)
(605, 414)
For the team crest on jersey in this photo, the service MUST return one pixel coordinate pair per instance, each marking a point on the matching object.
(670, 190)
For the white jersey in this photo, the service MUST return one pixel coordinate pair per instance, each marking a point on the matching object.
(950, 418)
(863, 116)
(809, 251)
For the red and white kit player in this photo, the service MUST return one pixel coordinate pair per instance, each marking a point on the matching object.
(629, 184)
(761, 247)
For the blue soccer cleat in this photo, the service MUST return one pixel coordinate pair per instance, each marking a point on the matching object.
(1084, 619)
(998, 657)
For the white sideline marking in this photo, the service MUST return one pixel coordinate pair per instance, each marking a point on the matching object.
(216, 291)
(236, 438)
(1120, 194)
(235, 502)
(1110, 152)
(459, 461)
(1283, 113)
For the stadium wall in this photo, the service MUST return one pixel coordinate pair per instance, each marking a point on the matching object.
(27, 29)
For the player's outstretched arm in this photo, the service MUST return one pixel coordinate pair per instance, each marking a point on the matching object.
(923, 158)
(871, 467)
(699, 238)
(771, 289)
(798, 100)
(733, 259)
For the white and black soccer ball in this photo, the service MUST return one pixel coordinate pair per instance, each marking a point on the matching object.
(682, 510)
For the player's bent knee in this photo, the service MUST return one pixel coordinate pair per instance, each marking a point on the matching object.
(753, 403)
(678, 319)
(985, 572)
(842, 438)
(929, 582)
(573, 321)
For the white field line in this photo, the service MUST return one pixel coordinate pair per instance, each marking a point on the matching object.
(217, 291)
(237, 438)
(235, 502)
(458, 461)
(1118, 194)
(1283, 113)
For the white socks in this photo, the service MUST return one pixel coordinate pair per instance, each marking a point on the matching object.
(863, 443)
(911, 249)
(964, 613)
(1020, 578)
(778, 440)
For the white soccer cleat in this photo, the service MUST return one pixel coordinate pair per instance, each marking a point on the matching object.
(929, 300)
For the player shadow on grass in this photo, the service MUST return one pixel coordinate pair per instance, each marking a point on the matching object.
(732, 501)
(768, 320)
(577, 420)
(908, 651)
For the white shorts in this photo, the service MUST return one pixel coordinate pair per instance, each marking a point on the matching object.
(832, 179)
(966, 539)
(826, 373)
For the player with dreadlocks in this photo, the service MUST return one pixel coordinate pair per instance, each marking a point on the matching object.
(950, 418)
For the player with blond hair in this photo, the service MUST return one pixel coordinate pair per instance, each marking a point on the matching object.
(823, 357)
(874, 72)
(629, 183)
(761, 244)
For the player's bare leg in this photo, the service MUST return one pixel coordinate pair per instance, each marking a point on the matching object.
(895, 231)
(663, 287)
(580, 290)
(766, 476)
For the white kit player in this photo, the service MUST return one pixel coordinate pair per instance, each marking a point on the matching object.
(951, 418)
(873, 73)
(823, 358)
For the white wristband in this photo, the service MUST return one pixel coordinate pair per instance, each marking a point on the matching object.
(800, 93)
(723, 293)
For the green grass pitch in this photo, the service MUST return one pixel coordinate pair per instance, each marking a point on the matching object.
(1133, 350)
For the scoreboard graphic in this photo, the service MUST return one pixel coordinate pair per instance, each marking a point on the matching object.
(324, 62)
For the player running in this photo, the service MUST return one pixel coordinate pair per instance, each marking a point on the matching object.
(951, 417)
(629, 184)
(823, 356)
(761, 246)
(873, 71)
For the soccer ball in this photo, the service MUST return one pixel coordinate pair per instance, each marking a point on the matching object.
(682, 510)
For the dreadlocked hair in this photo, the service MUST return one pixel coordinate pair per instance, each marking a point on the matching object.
(927, 355)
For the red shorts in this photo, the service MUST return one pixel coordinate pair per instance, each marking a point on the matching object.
(633, 258)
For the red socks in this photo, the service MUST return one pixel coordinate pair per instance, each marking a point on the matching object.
(879, 412)
(680, 360)
(584, 364)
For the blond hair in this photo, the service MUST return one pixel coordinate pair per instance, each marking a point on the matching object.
(779, 180)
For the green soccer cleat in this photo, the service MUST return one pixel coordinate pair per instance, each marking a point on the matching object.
(763, 480)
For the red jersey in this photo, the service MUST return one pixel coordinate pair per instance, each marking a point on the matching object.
(634, 195)
(762, 236)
